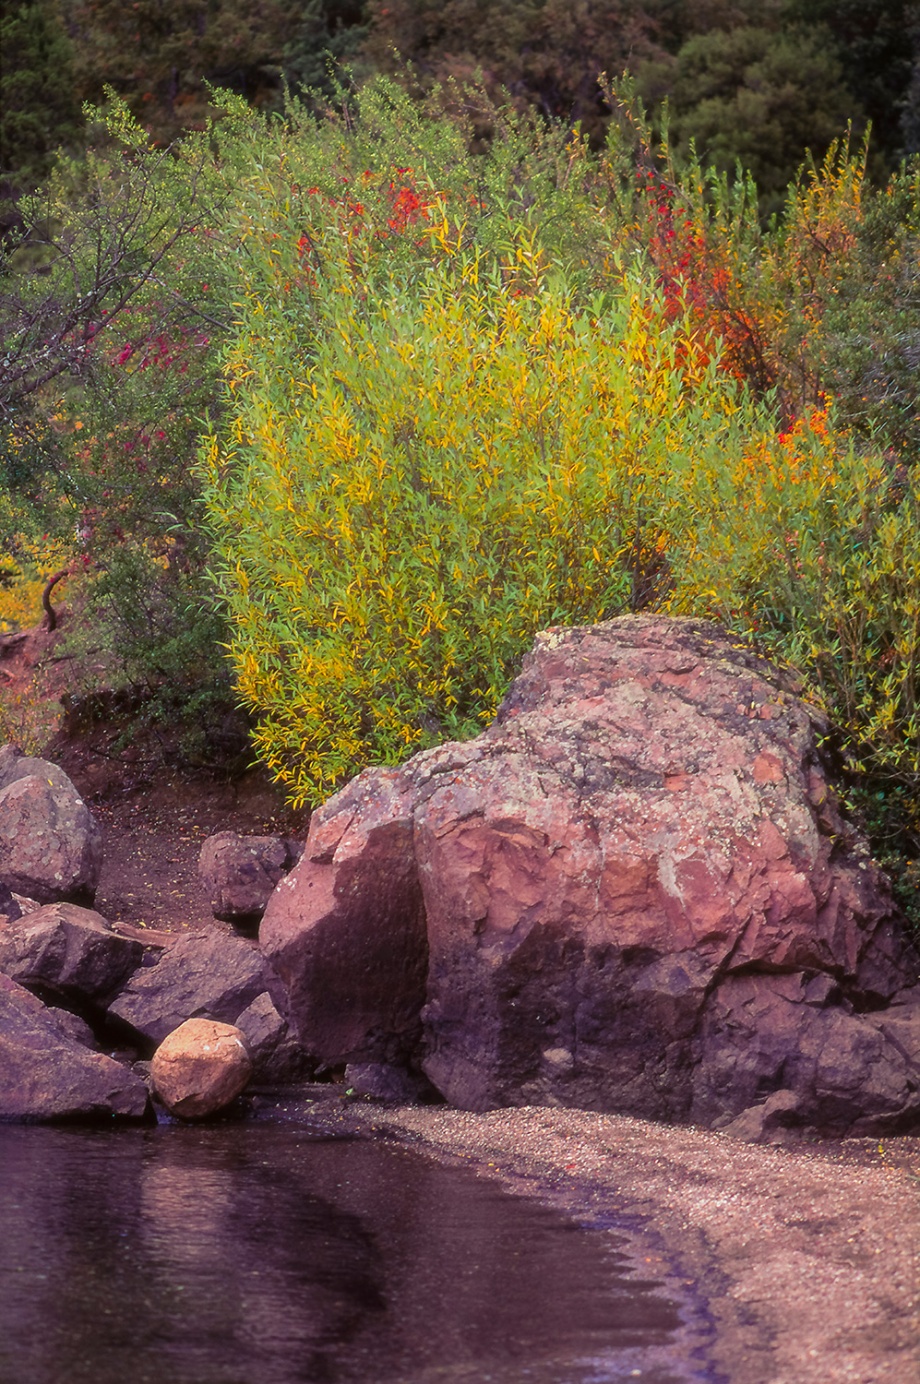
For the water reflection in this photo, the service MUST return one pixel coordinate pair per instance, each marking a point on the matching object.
(259, 1255)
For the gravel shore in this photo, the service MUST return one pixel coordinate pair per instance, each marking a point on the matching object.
(809, 1257)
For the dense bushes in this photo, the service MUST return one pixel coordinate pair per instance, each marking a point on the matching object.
(465, 395)
(114, 299)
(473, 459)
(470, 397)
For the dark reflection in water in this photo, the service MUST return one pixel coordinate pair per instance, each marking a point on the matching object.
(260, 1255)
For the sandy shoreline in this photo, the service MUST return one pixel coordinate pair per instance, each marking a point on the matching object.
(809, 1258)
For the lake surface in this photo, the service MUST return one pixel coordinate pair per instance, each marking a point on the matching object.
(259, 1254)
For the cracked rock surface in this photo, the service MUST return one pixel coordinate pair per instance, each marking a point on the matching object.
(634, 892)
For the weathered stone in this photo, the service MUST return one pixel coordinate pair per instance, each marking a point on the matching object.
(345, 930)
(276, 1054)
(15, 765)
(10, 907)
(67, 950)
(72, 1026)
(646, 829)
(200, 1068)
(50, 843)
(774, 1121)
(391, 1085)
(760, 1034)
(239, 873)
(46, 1075)
(202, 975)
(154, 941)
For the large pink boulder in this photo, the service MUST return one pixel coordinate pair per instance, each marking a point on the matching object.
(637, 891)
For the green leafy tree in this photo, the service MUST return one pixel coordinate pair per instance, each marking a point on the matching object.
(876, 46)
(39, 112)
(546, 53)
(160, 57)
(757, 98)
(114, 299)
(326, 32)
(910, 112)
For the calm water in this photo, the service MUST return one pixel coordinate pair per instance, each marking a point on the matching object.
(260, 1255)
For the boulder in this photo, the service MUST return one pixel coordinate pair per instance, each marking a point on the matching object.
(201, 975)
(837, 1070)
(50, 843)
(10, 907)
(380, 1081)
(276, 1054)
(238, 873)
(46, 1075)
(200, 1068)
(345, 930)
(15, 765)
(69, 951)
(74, 1027)
(634, 892)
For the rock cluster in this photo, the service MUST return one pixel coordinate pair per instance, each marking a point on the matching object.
(208, 975)
(68, 952)
(71, 982)
(634, 892)
(48, 1074)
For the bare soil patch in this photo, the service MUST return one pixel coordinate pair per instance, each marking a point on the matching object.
(155, 823)
(155, 811)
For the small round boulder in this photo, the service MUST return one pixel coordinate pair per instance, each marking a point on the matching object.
(200, 1068)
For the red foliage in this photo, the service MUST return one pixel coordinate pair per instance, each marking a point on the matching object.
(699, 284)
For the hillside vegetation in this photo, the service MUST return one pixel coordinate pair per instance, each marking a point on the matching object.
(367, 395)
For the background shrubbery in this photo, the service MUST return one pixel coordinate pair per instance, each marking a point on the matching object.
(461, 374)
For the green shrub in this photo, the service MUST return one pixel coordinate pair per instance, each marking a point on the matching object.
(811, 547)
(436, 448)
(115, 299)
(468, 400)
(477, 380)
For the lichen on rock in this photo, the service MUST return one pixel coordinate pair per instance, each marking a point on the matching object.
(635, 891)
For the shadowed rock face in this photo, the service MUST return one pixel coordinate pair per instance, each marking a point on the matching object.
(46, 1075)
(346, 929)
(635, 891)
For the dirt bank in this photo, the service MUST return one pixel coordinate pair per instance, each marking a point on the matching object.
(809, 1257)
